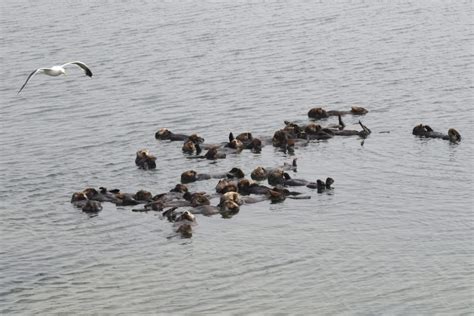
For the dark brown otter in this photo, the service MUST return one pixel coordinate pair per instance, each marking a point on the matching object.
(426, 131)
(192, 176)
(213, 154)
(191, 145)
(322, 186)
(143, 196)
(166, 134)
(185, 230)
(226, 185)
(319, 113)
(144, 160)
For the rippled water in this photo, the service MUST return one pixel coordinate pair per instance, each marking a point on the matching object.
(394, 238)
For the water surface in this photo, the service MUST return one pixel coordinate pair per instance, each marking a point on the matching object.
(395, 237)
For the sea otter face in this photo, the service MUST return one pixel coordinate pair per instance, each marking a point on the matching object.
(196, 139)
(90, 192)
(199, 199)
(329, 182)
(256, 145)
(143, 195)
(312, 128)
(358, 110)
(235, 173)
(317, 113)
(244, 185)
(163, 134)
(419, 130)
(144, 160)
(454, 135)
(275, 196)
(236, 144)
(189, 147)
(293, 129)
(78, 196)
(259, 174)
(231, 196)
(280, 139)
(229, 206)
(211, 153)
(188, 176)
(225, 185)
(186, 216)
(276, 176)
(181, 188)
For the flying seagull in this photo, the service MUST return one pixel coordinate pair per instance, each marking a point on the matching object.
(57, 70)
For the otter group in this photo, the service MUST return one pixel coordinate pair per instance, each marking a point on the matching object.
(233, 189)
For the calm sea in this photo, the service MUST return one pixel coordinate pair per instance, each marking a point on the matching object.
(396, 235)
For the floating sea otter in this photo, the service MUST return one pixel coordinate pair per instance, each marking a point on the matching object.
(244, 141)
(144, 160)
(193, 176)
(113, 196)
(320, 113)
(426, 131)
(182, 221)
(166, 134)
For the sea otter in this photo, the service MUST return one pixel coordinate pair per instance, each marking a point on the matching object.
(144, 160)
(319, 113)
(166, 134)
(426, 131)
(192, 176)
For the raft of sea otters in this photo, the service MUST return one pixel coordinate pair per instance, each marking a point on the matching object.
(233, 188)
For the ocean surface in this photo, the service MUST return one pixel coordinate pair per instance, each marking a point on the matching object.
(395, 237)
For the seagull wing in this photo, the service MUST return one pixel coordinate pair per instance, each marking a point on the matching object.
(82, 65)
(31, 75)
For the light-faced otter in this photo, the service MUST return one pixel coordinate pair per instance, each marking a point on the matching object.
(144, 160)
(426, 131)
(231, 196)
(79, 199)
(234, 143)
(319, 113)
(229, 204)
(259, 174)
(192, 145)
(226, 185)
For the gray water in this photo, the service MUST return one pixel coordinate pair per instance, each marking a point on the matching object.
(396, 235)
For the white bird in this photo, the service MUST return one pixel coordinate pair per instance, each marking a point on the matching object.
(57, 70)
